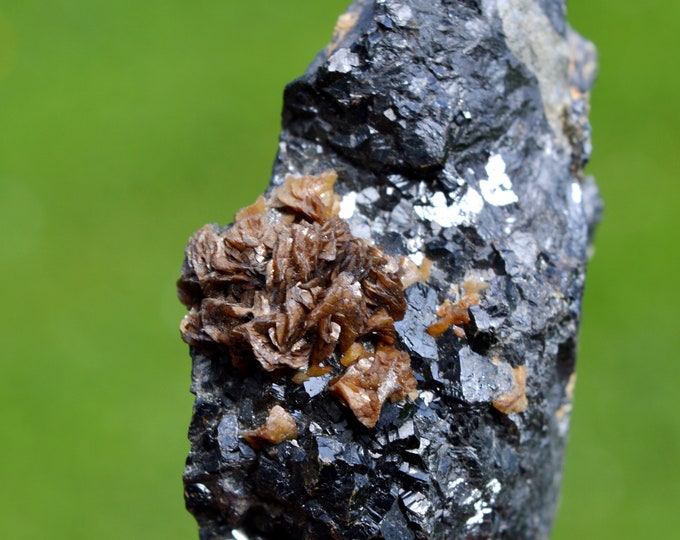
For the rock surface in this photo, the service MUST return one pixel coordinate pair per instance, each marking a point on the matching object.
(458, 130)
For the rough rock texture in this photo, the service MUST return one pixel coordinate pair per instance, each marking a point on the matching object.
(459, 132)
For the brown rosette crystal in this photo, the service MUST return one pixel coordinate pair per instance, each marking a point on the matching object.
(289, 286)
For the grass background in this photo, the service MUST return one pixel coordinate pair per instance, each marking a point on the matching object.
(126, 125)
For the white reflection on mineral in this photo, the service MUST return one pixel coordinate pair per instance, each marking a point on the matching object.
(497, 189)
(418, 257)
(347, 205)
(414, 247)
(576, 192)
(389, 114)
(415, 501)
(238, 535)
(343, 61)
(458, 213)
(481, 506)
(427, 397)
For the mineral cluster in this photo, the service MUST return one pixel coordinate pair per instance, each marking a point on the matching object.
(288, 284)
(384, 344)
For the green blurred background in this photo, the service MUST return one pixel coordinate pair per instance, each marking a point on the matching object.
(125, 125)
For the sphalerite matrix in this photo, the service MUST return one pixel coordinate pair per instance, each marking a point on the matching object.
(384, 343)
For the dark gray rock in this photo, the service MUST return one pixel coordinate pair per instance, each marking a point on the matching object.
(459, 132)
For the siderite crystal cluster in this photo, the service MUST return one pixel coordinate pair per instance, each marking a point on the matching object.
(287, 284)
(384, 344)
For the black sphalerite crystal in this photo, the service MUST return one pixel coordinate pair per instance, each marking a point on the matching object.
(459, 133)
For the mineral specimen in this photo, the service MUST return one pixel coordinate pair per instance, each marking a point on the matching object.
(458, 132)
